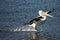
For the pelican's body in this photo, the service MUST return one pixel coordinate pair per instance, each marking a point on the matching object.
(36, 21)
(40, 19)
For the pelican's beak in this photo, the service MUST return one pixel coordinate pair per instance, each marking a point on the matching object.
(45, 14)
(42, 13)
(49, 15)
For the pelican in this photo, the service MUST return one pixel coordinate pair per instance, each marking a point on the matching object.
(40, 19)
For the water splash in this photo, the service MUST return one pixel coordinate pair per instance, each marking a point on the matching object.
(24, 28)
(21, 28)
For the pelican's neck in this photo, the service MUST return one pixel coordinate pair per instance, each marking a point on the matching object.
(41, 13)
(43, 19)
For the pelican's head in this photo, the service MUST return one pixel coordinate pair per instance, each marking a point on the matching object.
(44, 14)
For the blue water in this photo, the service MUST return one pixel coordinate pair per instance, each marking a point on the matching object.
(14, 13)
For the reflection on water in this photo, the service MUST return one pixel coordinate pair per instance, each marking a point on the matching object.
(25, 35)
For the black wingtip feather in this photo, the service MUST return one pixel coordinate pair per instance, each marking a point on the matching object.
(50, 11)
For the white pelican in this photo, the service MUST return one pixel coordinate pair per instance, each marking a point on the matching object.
(40, 19)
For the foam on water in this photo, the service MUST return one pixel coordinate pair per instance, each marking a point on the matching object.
(24, 28)
(21, 28)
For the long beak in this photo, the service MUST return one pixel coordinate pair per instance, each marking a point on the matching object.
(49, 15)
(45, 14)
(42, 13)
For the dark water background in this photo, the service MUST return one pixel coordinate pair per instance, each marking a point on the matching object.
(14, 13)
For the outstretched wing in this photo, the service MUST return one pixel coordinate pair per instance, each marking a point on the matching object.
(33, 21)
